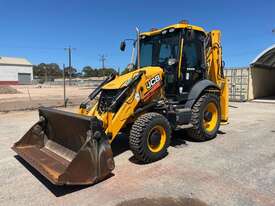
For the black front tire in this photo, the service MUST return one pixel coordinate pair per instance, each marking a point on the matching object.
(141, 131)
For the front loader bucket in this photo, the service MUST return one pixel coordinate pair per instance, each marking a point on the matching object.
(67, 148)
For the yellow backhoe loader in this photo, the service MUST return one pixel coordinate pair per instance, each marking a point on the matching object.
(176, 82)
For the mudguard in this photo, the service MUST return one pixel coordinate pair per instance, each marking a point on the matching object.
(197, 89)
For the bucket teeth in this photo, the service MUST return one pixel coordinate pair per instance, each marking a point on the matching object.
(63, 148)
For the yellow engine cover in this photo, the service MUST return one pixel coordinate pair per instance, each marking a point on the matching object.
(121, 81)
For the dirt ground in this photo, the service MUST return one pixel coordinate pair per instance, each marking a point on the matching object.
(33, 96)
(235, 168)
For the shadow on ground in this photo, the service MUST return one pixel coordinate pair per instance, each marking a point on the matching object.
(163, 201)
(119, 146)
(181, 137)
(58, 191)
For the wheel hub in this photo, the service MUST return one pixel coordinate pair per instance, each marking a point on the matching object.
(207, 116)
(154, 138)
(210, 118)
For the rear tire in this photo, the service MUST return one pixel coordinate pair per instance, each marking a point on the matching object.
(206, 117)
(150, 137)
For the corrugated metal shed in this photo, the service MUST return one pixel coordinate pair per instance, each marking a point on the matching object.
(266, 58)
(256, 81)
(14, 61)
(15, 70)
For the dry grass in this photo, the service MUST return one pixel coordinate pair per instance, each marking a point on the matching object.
(8, 90)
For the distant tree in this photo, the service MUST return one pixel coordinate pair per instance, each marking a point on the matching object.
(50, 71)
(73, 71)
(88, 71)
(79, 74)
(38, 70)
(105, 71)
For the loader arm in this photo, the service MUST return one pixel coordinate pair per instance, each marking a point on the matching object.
(136, 92)
(215, 69)
(116, 121)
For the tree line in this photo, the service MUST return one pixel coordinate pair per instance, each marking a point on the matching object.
(52, 71)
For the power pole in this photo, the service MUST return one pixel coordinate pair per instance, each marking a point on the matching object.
(103, 59)
(64, 86)
(69, 49)
(46, 74)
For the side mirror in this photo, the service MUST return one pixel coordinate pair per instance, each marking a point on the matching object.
(223, 64)
(122, 46)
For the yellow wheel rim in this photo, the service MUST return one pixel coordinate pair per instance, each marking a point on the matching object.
(160, 134)
(210, 122)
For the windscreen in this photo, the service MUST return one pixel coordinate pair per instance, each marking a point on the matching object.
(156, 50)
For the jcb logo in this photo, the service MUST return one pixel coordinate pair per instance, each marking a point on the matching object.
(152, 82)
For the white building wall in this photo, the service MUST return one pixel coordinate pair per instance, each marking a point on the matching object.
(10, 72)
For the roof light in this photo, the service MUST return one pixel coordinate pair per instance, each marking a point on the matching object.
(171, 30)
(153, 29)
(164, 32)
(184, 21)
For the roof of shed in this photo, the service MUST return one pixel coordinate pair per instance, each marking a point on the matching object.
(14, 61)
(265, 58)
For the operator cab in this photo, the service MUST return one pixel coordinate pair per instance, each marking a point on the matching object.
(180, 52)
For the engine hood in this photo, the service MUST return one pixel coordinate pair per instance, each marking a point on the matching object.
(121, 81)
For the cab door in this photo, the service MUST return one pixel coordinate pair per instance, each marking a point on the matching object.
(193, 64)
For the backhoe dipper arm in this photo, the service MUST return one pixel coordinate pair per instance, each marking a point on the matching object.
(215, 70)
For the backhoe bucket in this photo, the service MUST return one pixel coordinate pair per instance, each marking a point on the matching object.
(67, 148)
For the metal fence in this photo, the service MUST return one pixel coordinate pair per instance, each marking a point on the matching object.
(238, 79)
(52, 80)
